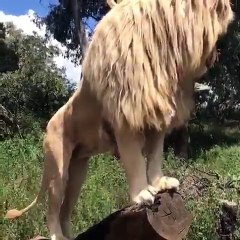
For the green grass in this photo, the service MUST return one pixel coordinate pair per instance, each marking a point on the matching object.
(225, 163)
(105, 189)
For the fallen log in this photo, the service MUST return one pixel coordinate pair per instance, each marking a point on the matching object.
(166, 219)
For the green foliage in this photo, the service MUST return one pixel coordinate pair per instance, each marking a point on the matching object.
(105, 189)
(37, 87)
(224, 162)
(33, 88)
(20, 170)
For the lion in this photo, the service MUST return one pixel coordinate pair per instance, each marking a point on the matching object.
(141, 64)
(138, 79)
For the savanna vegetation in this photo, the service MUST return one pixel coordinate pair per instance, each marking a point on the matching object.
(32, 88)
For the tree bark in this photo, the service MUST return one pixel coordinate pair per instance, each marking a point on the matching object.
(166, 219)
(80, 33)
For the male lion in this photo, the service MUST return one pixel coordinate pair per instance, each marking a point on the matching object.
(138, 73)
(141, 64)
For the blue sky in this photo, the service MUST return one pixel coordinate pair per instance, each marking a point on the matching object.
(21, 7)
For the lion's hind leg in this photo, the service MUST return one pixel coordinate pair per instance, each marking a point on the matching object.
(77, 174)
(154, 151)
(58, 151)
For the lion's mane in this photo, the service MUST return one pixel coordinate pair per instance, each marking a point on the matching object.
(145, 54)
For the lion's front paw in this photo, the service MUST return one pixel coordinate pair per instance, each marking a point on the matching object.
(145, 196)
(166, 183)
(152, 190)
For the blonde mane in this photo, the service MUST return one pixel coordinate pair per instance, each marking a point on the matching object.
(145, 55)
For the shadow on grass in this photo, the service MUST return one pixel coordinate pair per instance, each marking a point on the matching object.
(210, 135)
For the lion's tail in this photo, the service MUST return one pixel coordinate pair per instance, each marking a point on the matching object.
(14, 213)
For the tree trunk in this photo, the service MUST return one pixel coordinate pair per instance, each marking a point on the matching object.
(167, 218)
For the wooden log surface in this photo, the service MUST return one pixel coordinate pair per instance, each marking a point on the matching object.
(167, 219)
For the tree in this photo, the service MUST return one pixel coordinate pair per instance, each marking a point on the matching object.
(8, 58)
(36, 87)
(68, 20)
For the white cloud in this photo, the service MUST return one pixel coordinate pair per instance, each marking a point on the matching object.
(25, 23)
